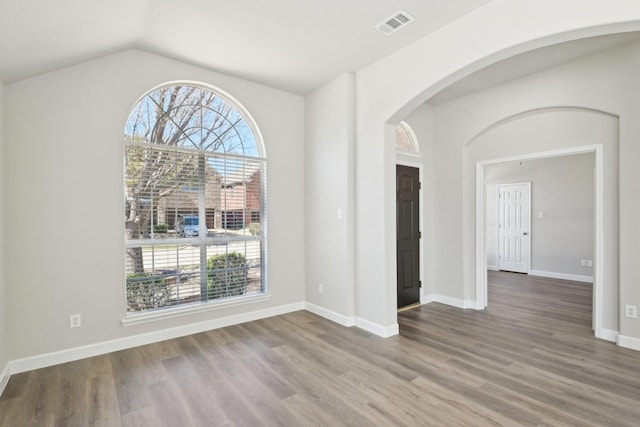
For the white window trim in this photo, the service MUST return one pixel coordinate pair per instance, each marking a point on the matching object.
(139, 318)
(413, 139)
(402, 152)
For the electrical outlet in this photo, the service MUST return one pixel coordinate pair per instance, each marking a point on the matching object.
(320, 288)
(589, 263)
(583, 262)
(631, 311)
(75, 320)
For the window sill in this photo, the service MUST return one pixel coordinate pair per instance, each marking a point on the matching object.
(170, 313)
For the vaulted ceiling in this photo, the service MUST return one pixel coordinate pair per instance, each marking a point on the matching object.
(294, 45)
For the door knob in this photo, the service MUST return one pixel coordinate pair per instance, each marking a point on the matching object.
(525, 234)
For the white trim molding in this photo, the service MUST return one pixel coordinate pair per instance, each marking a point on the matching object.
(401, 152)
(4, 377)
(563, 276)
(76, 353)
(338, 318)
(453, 302)
(374, 328)
(152, 316)
(492, 267)
(426, 299)
(628, 342)
(608, 335)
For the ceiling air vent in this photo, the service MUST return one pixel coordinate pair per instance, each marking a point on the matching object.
(394, 22)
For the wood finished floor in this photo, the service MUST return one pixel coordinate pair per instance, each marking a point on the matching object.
(529, 359)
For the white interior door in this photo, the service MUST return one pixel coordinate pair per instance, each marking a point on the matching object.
(514, 221)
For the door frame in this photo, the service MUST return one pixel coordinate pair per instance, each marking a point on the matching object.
(417, 164)
(528, 184)
(481, 235)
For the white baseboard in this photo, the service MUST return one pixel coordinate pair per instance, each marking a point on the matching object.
(4, 377)
(426, 299)
(374, 328)
(563, 276)
(76, 353)
(492, 267)
(331, 315)
(628, 342)
(454, 302)
(608, 335)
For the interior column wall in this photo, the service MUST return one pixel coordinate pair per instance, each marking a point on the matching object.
(4, 356)
(329, 200)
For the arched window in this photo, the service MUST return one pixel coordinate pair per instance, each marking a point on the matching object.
(194, 174)
(405, 138)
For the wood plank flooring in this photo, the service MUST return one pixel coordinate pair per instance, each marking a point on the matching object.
(529, 359)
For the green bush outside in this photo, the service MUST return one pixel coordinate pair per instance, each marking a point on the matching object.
(226, 275)
(147, 291)
(161, 228)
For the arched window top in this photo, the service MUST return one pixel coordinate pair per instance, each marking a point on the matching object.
(193, 117)
(405, 138)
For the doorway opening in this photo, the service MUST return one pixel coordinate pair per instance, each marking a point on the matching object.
(598, 248)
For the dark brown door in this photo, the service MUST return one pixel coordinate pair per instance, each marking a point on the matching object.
(408, 235)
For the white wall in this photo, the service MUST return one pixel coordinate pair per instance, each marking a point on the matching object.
(63, 158)
(329, 189)
(4, 354)
(386, 93)
(562, 188)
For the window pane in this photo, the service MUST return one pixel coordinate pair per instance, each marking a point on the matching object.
(234, 268)
(171, 269)
(402, 139)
